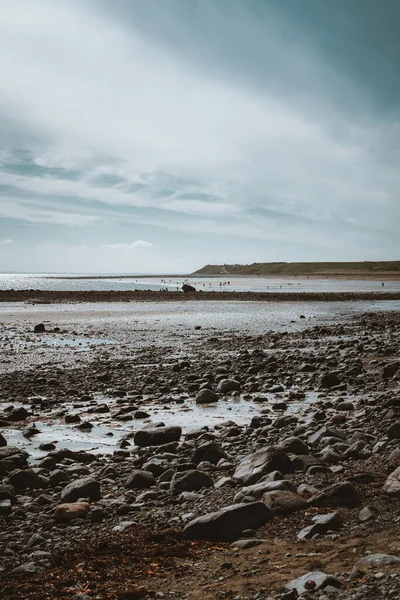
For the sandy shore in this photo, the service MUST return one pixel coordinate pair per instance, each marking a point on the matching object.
(47, 296)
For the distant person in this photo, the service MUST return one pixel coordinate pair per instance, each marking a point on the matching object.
(383, 285)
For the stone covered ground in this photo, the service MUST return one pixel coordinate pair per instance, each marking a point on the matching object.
(301, 500)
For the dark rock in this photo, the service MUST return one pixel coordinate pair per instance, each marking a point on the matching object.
(39, 328)
(208, 452)
(157, 436)
(294, 445)
(23, 479)
(329, 380)
(206, 396)
(140, 480)
(226, 386)
(342, 494)
(283, 503)
(3, 441)
(227, 524)
(17, 414)
(394, 431)
(87, 487)
(261, 462)
(190, 481)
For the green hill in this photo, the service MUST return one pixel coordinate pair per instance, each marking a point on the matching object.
(333, 269)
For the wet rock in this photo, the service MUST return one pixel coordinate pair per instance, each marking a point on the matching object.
(394, 431)
(225, 386)
(283, 503)
(390, 370)
(58, 476)
(190, 481)
(315, 580)
(140, 480)
(392, 484)
(342, 494)
(329, 380)
(3, 441)
(206, 396)
(87, 487)
(261, 462)
(64, 513)
(227, 524)
(17, 414)
(39, 328)
(157, 436)
(208, 452)
(74, 418)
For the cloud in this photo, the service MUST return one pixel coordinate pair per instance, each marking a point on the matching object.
(132, 115)
(6, 241)
(137, 244)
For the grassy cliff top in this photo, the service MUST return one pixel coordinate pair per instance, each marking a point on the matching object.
(368, 268)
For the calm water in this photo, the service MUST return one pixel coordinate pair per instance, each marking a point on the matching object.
(73, 282)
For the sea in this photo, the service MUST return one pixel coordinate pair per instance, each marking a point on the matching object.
(225, 284)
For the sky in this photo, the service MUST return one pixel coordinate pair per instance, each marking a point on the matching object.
(157, 136)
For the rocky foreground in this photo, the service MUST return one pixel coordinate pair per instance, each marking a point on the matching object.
(302, 501)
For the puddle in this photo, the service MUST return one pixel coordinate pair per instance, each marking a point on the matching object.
(107, 432)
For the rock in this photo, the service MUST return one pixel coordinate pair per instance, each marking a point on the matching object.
(190, 481)
(228, 523)
(368, 513)
(394, 431)
(294, 445)
(315, 580)
(392, 484)
(378, 560)
(390, 369)
(87, 487)
(23, 479)
(226, 386)
(206, 396)
(283, 503)
(5, 507)
(74, 418)
(39, 328)
(261, 462)
(187, 289)
(157, 436)
(17, 414)
(322, 524)
(208, 452)
(28, 569)
(329, 380)
(124, 525)
(3, 441)
(64, 513)
(342, 494)
(257, 490)
(140, 480)
(58, 476)
(247, 544)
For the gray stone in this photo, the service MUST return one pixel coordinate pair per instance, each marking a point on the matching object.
(378, 560)
(208, 452)
(23, 479)
(206, 396)
(261, 462)
(283, 503)
(392, 484)
(342, 494)
(157, 436)
(226, 386)
(322, 524)
(140, 480)
(227, 524)
(87, 487)
(317, 579)
(190, 481)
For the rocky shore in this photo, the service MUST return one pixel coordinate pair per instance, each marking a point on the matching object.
(49, 297)
(298, 498)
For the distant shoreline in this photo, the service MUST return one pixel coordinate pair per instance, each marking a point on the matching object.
(53, 297)
(384, 276)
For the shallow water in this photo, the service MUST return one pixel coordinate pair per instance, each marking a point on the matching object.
(73, 282)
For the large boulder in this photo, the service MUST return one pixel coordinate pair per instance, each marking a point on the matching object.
(190, 481)
(24, 479)
(3, 441)
(64, 513)
(329, 380)
(294, 445)
(208, 452)
(342, 494)
(283, 503)
(157, 436)
(227, 524)
(228, 385)
(140, 480)
(261, 462)
(206, 396)
(87, 487)
(392, 484)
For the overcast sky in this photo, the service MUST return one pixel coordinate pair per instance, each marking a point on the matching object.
(161, 135)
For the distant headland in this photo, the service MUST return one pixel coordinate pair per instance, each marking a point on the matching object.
(367, 269)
